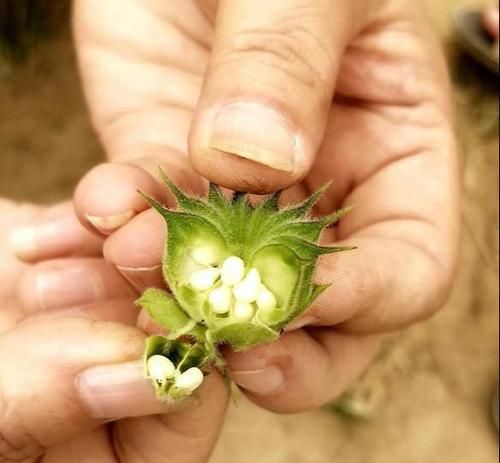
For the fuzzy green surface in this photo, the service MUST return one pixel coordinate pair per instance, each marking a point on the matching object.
(282, 244)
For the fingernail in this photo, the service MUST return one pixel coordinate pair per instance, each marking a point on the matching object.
(109, 223)
(67, 287)
(38, 240)
(301, 322)
(143, 277)
(265, 381)
(118, 391)
(255, 132)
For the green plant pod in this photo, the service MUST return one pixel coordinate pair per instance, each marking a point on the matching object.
(238, 273)
(183, 355)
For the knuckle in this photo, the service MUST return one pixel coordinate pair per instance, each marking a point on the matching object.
(295, 52)
(17, 444)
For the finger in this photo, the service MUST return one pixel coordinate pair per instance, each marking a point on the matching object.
(259, 130)
(107, 197)
(53, 232)
(40, 364)
(143, 239)
(65, 283)
(123, 181)
(187, 436)
(405, 261)
(301, 370)
(372, 289)
(122, 310)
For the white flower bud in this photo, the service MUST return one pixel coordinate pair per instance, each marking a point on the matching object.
(220, 299)
(243, 311)
(204, 255)
(189, 380)
(160, 368)
(232, 270)
(265, 299)
(248, 289)
(204, 279)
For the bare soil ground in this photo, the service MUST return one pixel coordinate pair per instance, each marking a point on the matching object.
(427, 399)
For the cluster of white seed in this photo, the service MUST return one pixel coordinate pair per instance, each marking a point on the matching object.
(233, 291)
(161, 369)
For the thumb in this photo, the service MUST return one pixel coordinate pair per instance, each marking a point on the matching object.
(265, 101)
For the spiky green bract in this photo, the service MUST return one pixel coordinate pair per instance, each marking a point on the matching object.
(282, 244)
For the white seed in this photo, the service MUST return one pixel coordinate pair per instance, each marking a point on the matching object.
(248, 289)
(204, 279)
(189, 380)
(232, 270)
(160, 368)
(220, 299)
(243, 311)
(265, 299)
(204, 255)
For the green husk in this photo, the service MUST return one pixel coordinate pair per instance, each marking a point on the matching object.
(280, 243)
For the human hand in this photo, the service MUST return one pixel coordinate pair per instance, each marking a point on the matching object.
(357, 91)
(71, 387)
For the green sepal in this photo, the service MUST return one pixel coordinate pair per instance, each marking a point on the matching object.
(168, 314)
(281, 243)
(243, 335)
(301, 210)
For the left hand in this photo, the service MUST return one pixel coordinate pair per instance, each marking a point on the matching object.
(71, 376)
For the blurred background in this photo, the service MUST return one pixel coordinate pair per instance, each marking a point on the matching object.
(428, 397)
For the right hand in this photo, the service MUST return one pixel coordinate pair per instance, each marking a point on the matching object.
(71, 379)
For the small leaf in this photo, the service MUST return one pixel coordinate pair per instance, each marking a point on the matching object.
(244, 335)
(167, 313)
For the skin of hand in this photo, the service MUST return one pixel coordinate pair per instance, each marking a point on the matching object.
(71, 385)
(259, 96)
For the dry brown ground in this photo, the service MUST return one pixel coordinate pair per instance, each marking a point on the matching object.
(427, 398)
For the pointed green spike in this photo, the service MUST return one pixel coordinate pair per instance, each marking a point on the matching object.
(184, 202)
(271, 203)
(303, 208)
(219, 203)
(215, 195)
(308, 231)
(304, 250)
(317, 290)
(156, 205)
(333, 218)
(179, 195)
